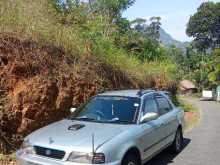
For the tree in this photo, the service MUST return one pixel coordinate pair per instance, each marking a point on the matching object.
(150, 30)
(177, 55)
(123, 25)
(204, 26)
(71, 12)
(214, 65)
(111, 8)
(140, 39)
(63, 6)
(138, 24)
(154, 28)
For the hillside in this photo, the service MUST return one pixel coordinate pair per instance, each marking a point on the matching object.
(39, 84)
(169, 41)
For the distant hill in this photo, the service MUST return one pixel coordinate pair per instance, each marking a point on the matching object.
(168, 41)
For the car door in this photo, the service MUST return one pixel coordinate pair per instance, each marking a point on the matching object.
(152, 131)
(168, 118)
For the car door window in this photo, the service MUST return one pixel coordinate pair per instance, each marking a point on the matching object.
(150, 105)
(163, 105)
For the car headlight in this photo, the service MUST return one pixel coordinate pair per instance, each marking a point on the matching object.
(27, 148)
(88, 158)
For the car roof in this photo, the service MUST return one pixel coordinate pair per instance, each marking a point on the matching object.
(126, 93)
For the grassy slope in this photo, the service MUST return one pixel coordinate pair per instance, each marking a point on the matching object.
(38, 20)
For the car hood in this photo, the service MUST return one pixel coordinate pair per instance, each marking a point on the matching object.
(77, 135)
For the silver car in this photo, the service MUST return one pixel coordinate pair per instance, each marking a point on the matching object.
(113, 128)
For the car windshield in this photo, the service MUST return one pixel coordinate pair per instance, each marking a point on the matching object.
(109, 109)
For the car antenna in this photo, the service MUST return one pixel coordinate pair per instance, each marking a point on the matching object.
(93, 144)
(113, 111)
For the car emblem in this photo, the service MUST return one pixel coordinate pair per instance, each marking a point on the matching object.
(48, 152)
(51, 141)
(75, 127)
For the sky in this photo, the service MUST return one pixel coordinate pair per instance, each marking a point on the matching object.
(174, 14)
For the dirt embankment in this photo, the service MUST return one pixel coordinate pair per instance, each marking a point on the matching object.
(39, 83)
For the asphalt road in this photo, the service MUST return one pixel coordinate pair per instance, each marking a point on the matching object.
(202, 143)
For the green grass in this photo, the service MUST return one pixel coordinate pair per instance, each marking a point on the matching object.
(188, 107)
(194, 113)
(38, 20)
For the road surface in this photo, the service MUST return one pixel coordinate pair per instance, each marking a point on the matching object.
(201, 144)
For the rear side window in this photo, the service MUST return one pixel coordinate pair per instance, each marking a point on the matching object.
(150, 105)
(163, 105)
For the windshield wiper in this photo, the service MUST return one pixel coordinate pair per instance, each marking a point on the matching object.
(84, 118)
(117, 120)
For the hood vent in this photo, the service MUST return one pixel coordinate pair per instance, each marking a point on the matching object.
(75, 127)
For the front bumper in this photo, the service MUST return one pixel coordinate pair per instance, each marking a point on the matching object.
(25, 159)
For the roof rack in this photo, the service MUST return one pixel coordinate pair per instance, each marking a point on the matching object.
(141, 92)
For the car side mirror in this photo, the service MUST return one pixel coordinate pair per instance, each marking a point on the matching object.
(72, 110)
(149, 117)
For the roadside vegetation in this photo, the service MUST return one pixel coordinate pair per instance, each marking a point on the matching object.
(202, 61)
(192, 114)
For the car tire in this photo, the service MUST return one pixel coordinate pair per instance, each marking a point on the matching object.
(177, 144)
(130, 159)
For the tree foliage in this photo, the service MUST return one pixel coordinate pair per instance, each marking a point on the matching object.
(204, 26)
(141, 38)
(214, 69)
(110, 8)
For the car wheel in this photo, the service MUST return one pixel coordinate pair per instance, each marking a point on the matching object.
(130, 159)
(178, 142)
